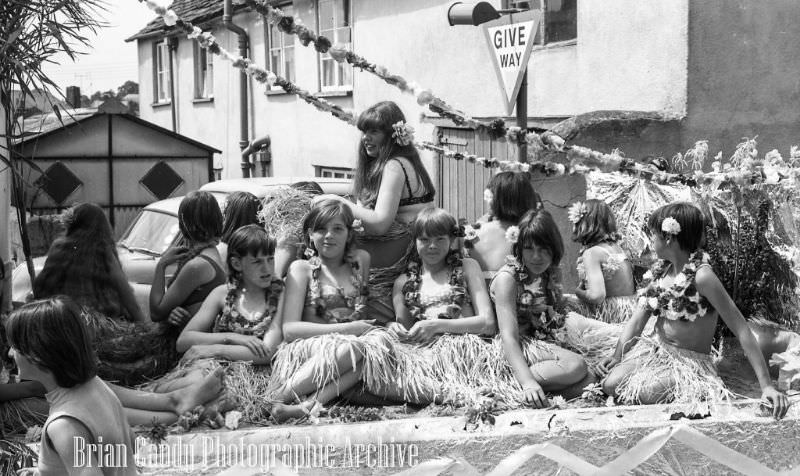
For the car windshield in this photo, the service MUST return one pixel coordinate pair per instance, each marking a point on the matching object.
(151, 232)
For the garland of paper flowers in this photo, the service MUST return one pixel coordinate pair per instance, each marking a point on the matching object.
(458, 294)
(356, 303)
(681, 300)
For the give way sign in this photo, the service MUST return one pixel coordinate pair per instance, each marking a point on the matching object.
(510, 40)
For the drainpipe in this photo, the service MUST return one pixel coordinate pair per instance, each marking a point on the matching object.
(227, 15)
(172, 47)
(258, 144)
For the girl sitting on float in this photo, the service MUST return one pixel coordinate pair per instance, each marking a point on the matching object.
(241, 209)
(682, 291)
(442, 307)
(527, 297)
(509, 195)
(330, 347)
(391, 186)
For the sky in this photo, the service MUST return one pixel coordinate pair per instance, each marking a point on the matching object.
(109, 61)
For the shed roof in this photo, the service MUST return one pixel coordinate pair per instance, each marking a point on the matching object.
(194, 11)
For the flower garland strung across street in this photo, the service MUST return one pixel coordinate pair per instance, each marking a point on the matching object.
(681, 300)
(458, 288)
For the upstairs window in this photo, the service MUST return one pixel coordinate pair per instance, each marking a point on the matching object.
(560, 18)
(335, 24)
(280, 48)
(203, 73)
(161, 72)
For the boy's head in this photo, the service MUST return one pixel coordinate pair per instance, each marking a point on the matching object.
(52, 334)
(690, 229)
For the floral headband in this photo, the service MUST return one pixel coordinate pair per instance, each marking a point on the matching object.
(670, 226)
(403, 133)
(576, 212)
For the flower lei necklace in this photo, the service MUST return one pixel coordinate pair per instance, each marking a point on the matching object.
(356, 303)
(534, 315)
(679, 301)
(458, 289)
(235, 316)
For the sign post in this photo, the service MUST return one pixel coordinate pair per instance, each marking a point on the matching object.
(510, 41)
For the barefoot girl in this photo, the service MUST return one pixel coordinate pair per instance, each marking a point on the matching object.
(329, 347)
(526, 292)
(442, 307)
(685, 295)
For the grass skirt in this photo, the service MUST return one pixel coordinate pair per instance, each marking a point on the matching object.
(131, 353)
(376, 349)
(691, 377)
(452, 367)
(612, 310)
(593, 340)
(17, 415)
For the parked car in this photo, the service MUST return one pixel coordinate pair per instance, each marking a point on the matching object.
(155, 229)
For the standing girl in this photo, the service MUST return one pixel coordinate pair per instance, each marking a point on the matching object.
(329, 347)
(391, 186)
(86, 431)
(442, 307)
(526, 292)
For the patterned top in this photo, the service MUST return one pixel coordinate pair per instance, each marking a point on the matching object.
(231, 320)
(332, 303)
(609, 267)
(536, 317)
(680, 300)
(436, 298)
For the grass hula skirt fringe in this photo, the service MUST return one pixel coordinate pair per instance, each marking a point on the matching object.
(131, 353)
(376, 349)
(592, 339)
(17, 415)
(452, 367)
(691, 377)
(612, 310)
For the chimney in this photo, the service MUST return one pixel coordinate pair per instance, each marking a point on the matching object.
(74, 96)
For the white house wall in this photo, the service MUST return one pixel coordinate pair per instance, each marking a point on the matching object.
(629, 55)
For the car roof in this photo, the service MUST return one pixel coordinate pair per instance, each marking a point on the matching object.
(258, 186)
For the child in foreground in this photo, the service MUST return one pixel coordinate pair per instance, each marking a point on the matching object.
(50, 344)
(685, 295)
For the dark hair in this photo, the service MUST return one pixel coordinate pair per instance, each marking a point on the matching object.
(692, 236)
(249, 240)
(433, 222)
(79, 264)
(52, 333)
(537, 227)
(596, 226)
(241, 208)
(369, 171)
(310, 187)
(200, 222)
(321, 214)
(512, 195)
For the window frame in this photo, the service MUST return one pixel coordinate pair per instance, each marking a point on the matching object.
(203, 73)
(159, 47)
(268, 29)
(543, 30)
(344, 172)
(323, 58)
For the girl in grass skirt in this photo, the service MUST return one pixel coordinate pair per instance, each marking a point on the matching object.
(330, 348)
(682, 291)
(443, 308)
(527, 294)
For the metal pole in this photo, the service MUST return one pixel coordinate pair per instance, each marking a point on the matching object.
(522, 115)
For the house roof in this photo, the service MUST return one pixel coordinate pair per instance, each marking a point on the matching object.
(194, 11)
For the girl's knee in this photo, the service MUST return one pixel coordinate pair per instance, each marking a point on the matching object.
(575, 367)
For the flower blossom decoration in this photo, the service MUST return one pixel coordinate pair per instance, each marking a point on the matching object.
(403, 133)
(512, 234)
(357, 226)
(488, 197)
(470, 233)
(670, 226)
(576, 212)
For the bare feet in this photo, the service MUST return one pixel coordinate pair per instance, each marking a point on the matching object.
(282, 412)
(209, 388)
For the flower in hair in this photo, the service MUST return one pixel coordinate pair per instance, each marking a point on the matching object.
(458, 231)
(670, 226)
(403, 133)
(512, 234)
(488, 196)
(576, 212)
(470, 233)
(357, 226)
(309, 252)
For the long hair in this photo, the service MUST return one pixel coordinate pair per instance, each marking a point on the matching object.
(512, 195)
(200, 222)
(596, 226)
(241, 208)
(322, 213)
(79, 264)
(537, 227)
(53, 335)
(369, 171)
(692, 236)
